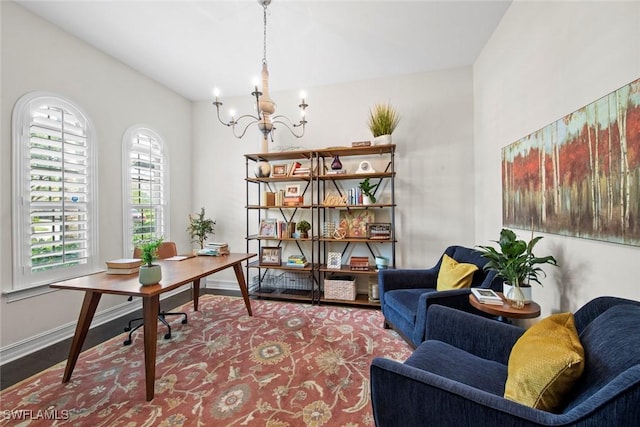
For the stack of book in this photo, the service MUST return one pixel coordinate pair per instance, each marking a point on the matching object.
(124, 266)
(298, 261)
(486, 296)
(218, 248)
(298, 170)
(360, 263)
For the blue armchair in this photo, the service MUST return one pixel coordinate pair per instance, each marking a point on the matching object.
(406, 294)
(457, 377)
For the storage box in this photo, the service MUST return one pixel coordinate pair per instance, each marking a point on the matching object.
(340, 288)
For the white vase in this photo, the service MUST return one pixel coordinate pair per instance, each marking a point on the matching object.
(382, 140)
(366, 200)
(526, 292)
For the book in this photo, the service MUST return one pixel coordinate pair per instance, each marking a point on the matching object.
(125, 263)
(297, 265)
(486, 296)
(118, 270)
(178, 257)
(361, 144)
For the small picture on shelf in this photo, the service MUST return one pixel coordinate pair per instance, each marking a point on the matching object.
(270, 255)
(292, 190)
(280, 170)
(268, 228)
(334, 260)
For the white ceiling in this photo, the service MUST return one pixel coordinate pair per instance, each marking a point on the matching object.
(194, 46)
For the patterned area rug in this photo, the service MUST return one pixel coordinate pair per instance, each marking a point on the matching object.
(288, 365)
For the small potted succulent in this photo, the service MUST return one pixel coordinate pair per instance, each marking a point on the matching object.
(303, 227)
(383, 120)
(368, 191)
(150, 274)
(200, 227)
(516, 264)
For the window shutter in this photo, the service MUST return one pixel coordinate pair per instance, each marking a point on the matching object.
(147, 178)
(54, 226)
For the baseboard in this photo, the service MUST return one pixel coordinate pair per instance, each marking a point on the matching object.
(30, 345)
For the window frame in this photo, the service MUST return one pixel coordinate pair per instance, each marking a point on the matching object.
(128, 141)
(26, 283)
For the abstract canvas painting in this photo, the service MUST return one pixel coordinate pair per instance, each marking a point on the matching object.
(579, 176)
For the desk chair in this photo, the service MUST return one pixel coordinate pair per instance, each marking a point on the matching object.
(166, 250)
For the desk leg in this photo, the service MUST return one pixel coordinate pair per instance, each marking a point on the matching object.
(196, 294)
(237, 268)
(150, 307)
(89, 305)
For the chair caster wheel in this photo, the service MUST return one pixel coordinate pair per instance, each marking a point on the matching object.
(184, 322)
(127, 342)
(127, 329)
(167, 336)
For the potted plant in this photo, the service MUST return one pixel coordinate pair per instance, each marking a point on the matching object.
(200, 227)
(516, 264)
(304, 227)
(368, 191)
(150, 274)
(383, 120)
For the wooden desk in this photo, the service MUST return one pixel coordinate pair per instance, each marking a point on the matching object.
(174, 274)
(529, 311)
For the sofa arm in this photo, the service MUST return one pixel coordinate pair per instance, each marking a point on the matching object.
(486, 338)
(403, 395)
(390, 279)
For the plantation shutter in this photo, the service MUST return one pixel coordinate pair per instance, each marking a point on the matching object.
(147, 182)
(54, 233)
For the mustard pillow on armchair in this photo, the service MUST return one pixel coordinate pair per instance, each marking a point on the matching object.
(544, 363)
(454, 274)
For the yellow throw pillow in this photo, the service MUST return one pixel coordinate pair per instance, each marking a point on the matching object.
(544, 363)
(454, 274)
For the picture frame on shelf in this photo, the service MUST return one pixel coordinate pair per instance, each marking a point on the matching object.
(379, 231)
(292, 190)
(280, 170)
(268, 228)
(334, 260)
(270, 255)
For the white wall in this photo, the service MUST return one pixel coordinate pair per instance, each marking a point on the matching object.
(37, 56)
(434, 163)
(546, 60)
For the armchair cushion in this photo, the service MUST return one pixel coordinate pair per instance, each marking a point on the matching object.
(454, 274)
(545, 363)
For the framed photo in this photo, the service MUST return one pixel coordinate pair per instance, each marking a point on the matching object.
(270, 255)
(268, 228)
(280, 170)
(379, 231)
(292, 190)
(334, 260)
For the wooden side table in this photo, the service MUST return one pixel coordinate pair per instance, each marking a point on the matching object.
(529, 311)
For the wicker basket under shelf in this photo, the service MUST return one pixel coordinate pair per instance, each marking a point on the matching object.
(340, 288)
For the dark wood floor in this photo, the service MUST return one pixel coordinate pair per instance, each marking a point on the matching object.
(18, 370)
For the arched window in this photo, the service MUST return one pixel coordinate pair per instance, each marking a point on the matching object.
(146, 181)
(54, 191)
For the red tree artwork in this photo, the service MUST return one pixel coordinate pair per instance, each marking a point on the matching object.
(579, 176)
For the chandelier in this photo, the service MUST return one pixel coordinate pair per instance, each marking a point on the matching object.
(265, 107)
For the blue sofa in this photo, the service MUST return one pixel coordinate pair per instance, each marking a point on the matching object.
(406, 294)
(457, 377)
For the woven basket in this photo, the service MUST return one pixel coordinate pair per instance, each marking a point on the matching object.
(340, 288)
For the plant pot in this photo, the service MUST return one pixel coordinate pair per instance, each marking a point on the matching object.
(150, 275)
(382, 262)
(366, 200)
(382, 140)
(509, 290)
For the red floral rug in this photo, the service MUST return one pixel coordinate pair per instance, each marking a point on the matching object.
(288, 365)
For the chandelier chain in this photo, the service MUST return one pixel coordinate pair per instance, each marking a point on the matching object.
(264, 52)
